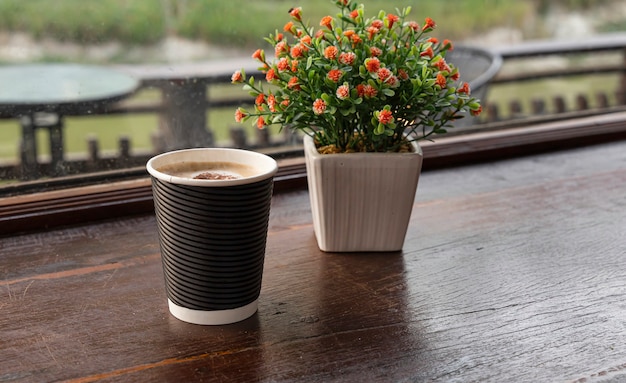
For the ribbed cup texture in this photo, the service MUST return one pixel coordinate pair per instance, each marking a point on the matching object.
(212, 242)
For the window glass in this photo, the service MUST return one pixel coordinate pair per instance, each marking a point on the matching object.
(176, 51)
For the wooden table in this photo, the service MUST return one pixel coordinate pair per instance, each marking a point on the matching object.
(41, 94)
(512, 271)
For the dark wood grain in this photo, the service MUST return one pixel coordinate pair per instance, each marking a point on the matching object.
(511, 272)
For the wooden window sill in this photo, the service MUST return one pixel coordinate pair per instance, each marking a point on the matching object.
(44, 210)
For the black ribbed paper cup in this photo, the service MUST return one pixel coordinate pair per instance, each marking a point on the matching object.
(212, 233)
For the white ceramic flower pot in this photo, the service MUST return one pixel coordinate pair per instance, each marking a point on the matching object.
(361, 201)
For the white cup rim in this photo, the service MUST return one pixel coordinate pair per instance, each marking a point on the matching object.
(266, 165)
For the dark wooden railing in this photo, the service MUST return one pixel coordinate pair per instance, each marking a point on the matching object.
(187, 95)
(596, 50)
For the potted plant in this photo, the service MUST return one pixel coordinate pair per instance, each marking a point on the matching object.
(363, 90)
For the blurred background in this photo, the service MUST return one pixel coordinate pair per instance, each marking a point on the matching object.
(175, 32)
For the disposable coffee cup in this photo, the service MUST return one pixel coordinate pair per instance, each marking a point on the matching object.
(212, 208)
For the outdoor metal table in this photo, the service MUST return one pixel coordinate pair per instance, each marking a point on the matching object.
(41, 94)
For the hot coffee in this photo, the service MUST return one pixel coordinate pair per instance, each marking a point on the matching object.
(212, 231)
(213, 170)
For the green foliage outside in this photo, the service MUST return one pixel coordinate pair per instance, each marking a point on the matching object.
(242, 22)
(233, 22)
(134, 21)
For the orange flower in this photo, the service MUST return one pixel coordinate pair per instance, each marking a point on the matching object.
(372, 64)
(289, 27)
(464, 89)
(343, 92)
(455, 76)
(296, 51)
(429, 24)
(447, 44)
(442, 65)
(294, 65)
(236, 77)
(296, 13)
(280, 48)
(282, 64)
(402, 74)
(260, 122)
(414, 26)
(392, 81)
(371, 31)
(319, 106)
(356, 39)
(391, 19)
(347, 58)
(334, 75)
(428, 52)
(331, 52)
(354, 14)
(258, 54)
(477, 111)
(433, 40)
(239, 115)
(385, 117)
(383, 74)
(306, 42)
(375, 51)
(293, 83)
(271, 102)
(441, 80)
(378, 24)
(366, 90)
(279, 37)
(327, 22)
(260, 99)
(271, 75)
(370, 91)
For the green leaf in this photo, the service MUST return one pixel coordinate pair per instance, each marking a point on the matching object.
(388, 92)
(380, 129)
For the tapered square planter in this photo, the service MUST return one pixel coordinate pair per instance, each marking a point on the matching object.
(361, 201)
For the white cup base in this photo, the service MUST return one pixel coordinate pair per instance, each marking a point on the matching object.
(217, 317)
